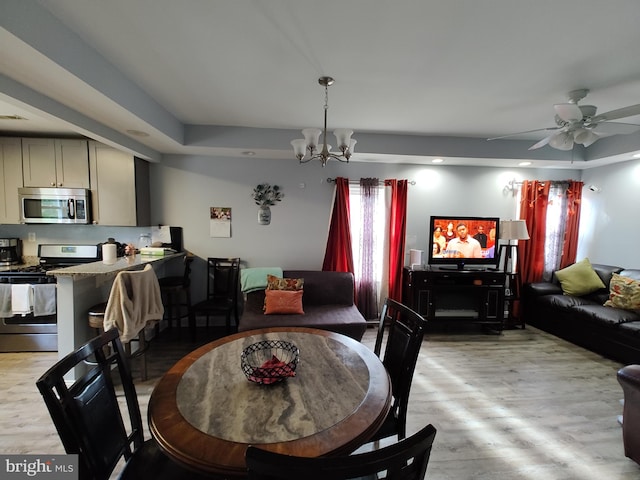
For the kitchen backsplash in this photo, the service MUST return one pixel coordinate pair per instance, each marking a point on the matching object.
(74, 234)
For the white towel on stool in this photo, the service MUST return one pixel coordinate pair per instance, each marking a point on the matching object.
(21, 298)
(44, 299)
(5, 301)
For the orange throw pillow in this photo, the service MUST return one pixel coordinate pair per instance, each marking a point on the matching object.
(286, 302)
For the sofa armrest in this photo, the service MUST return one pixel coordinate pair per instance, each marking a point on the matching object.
(539, 289)
(629, 379)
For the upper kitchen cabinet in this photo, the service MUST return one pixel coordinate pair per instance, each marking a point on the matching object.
(119, 187)
(11, 171)
(50, 162)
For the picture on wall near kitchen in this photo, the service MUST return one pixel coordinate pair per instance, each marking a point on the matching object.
(220, 218)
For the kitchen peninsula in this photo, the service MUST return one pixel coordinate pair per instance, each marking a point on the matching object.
(82, 286)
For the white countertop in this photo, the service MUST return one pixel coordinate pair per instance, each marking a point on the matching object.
(123, 263)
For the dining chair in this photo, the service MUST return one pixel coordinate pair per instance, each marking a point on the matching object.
(91, 422)
(403, 341)
(174, 287)
(222, 291)
(406, 460)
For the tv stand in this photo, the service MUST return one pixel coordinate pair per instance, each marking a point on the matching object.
(444, 295)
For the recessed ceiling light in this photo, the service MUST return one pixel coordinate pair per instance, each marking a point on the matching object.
(637, 155)
(524, 164)
(437, 160)
(137, 133)
(249, 153)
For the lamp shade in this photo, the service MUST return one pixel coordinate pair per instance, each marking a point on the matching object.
(513, 230)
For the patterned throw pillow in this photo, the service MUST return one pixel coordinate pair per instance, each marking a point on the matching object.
(286, 302)
(277, 283)
(624, 292)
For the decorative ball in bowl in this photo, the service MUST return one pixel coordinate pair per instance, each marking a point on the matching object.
(269, 361)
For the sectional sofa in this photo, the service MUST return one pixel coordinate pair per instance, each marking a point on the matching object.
(612, 330)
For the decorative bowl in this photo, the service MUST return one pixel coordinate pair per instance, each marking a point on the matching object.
(269, 361)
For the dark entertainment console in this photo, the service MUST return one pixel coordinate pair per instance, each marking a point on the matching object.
(441, 295)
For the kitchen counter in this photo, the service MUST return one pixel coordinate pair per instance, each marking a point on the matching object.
(123, 263)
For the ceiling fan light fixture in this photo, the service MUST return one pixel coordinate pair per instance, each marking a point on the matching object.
(562, 141)
(584, 136)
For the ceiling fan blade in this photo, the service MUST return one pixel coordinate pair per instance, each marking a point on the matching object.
(524, 133)
(615, 128)
(569, 112)
(629, 111)
(542, 142)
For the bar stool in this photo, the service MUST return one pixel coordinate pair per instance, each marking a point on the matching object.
(128, 288)
(173, 287)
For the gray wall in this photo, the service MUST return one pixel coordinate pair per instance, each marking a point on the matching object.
(184, 187)
(610, 218)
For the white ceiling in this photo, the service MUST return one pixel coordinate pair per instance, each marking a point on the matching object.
(414, 78)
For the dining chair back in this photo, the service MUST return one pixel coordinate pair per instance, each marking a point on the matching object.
(404, 329)
(91, 422)
(174, 287)
(223, 275)
(406, 460)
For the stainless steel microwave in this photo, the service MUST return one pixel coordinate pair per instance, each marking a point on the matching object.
(54, 205)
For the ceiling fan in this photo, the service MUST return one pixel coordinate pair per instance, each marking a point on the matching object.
(580, 124)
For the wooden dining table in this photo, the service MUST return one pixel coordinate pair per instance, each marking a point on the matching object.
(204, 412)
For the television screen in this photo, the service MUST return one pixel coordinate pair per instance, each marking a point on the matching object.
(463, 241)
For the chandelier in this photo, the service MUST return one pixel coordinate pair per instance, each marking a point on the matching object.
(312, 137)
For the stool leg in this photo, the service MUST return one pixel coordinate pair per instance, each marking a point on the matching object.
(143, 356)
(170, 315)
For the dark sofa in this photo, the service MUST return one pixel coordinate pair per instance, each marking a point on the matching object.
(327, 302)
(584, 320)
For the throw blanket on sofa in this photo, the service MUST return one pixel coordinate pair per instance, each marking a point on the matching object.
(134, 300)
(252, 279)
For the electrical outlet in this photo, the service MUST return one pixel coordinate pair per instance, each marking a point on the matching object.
(32, 236)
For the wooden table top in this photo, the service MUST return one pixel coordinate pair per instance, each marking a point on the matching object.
(204, 413)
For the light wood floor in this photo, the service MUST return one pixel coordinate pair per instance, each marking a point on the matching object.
(523, 405)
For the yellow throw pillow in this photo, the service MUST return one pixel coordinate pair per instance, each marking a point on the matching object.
(579, 279)
(624, 292)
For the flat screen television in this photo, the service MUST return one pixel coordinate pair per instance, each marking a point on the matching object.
(458, 242)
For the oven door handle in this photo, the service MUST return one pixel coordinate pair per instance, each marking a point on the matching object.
(71, 208)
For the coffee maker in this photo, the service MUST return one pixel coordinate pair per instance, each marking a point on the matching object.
(10, 251)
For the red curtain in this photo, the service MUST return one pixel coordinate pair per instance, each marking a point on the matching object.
(570, 244)
(338, 256)
(397, 234)
(533, 210)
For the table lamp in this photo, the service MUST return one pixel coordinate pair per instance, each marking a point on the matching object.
(511, 230)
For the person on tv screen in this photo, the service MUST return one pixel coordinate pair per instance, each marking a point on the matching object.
(481, 236)
(463, 246)
(449, 234)
(439, 238)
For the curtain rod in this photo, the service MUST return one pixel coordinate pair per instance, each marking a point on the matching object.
(357, 182)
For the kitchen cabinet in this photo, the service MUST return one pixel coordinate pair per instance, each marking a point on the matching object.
(120, 192)
(48, 162)
(11, 172)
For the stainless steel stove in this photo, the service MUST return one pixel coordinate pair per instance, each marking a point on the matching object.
(31, 330)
